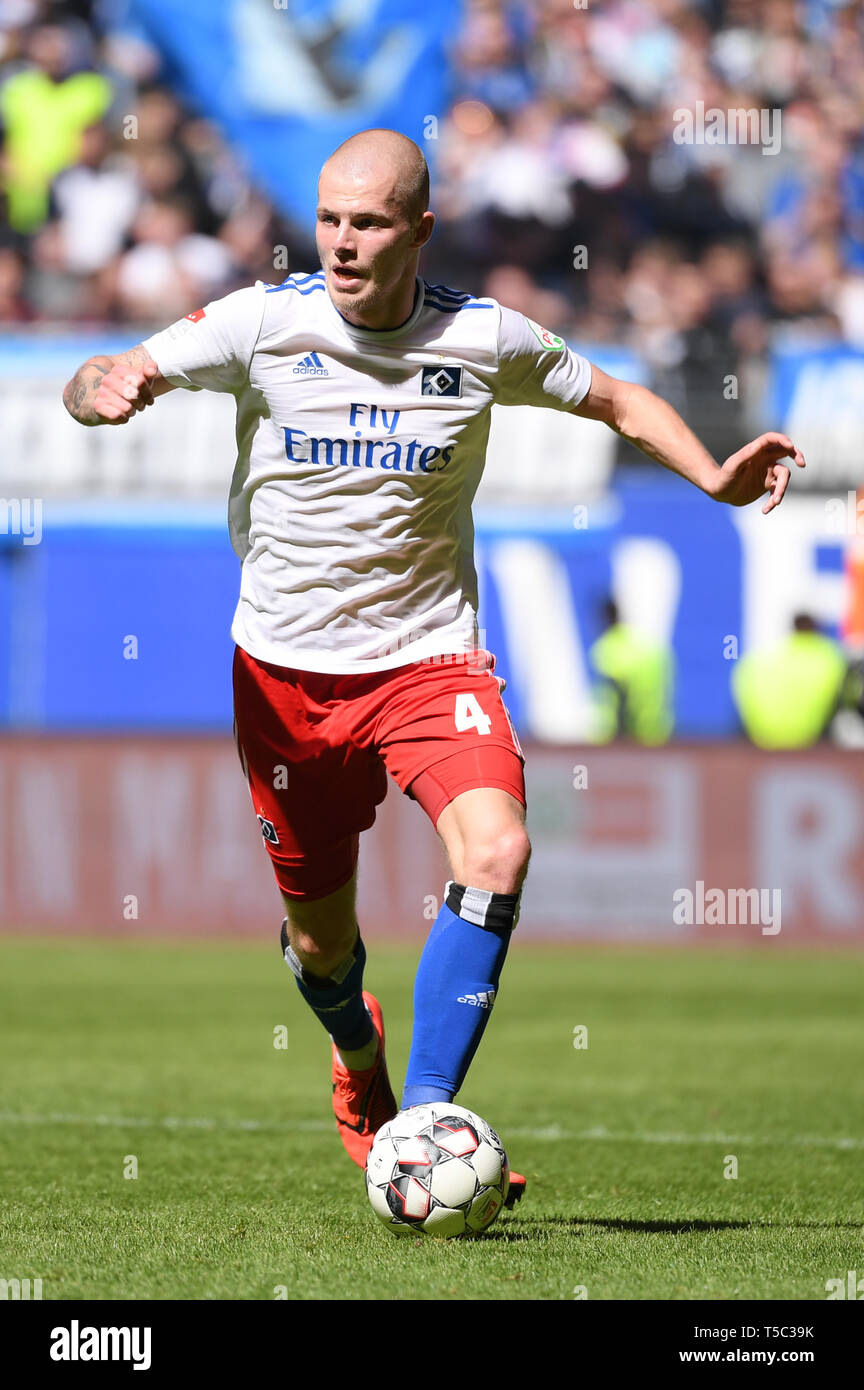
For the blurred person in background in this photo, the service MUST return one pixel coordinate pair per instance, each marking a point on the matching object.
(45, 109)
(634, 695)
(490, 58)
(560, 134)
(517, 288)
(170, 265)
(14, 306)
(94, 202)
(788, 694)
(167, 168)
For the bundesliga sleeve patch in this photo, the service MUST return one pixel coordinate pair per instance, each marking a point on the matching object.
(550, 341)
(184, 325)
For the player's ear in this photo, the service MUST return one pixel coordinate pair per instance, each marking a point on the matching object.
(423, 230)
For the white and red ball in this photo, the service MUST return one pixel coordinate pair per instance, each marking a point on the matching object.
(437, 1170)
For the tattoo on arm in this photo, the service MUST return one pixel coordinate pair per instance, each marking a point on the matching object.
(79, 392)
(135, 356)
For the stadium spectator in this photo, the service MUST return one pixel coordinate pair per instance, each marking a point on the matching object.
(490, 59)
(14, 306)
(45, 109)
(166, 167)
(560, 134)
(634, 690)
(171, 265)
(515, 287)
(788, 694)
(95, 202)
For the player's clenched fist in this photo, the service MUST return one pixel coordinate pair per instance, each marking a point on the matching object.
(110, 390)
(124, 390)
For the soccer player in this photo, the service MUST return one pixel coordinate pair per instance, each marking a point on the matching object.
(363, 401)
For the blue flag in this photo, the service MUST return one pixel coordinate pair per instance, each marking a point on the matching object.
(289, 80)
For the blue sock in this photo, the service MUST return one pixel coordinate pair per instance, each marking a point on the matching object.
(337, 1000)
(455, 988)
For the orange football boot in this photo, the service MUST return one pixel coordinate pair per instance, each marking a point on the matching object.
(516, 1191)
(363, 1100)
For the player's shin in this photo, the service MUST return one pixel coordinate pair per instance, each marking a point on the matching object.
(337, 1001)
(457, 980)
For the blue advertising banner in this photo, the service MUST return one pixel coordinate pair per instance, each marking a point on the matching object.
(121, 621)
(111, 536)
(289, 80)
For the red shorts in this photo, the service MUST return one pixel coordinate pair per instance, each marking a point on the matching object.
(316, 749)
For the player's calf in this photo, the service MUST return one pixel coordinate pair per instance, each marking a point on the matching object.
(336, 999)
(362, 1097)
(455, 988)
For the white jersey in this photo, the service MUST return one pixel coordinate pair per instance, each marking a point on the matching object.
(358, 456)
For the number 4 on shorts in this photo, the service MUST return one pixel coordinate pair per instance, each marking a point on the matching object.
(469, 715)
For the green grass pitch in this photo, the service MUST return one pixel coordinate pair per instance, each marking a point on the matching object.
(165, 1053)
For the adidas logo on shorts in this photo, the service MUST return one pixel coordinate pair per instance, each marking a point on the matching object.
(484, 1000)
(311, 366)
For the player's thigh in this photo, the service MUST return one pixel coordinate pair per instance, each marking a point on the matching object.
(318, 913)
(452, 748)
(312, 796)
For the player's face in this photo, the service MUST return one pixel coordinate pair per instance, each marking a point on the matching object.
(366, 244)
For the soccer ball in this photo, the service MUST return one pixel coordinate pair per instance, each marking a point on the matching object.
(437, 1170)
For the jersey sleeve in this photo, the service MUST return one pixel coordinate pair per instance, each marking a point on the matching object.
(535, 367)
(211, 348)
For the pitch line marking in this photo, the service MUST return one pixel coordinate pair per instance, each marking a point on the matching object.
(553, 1133)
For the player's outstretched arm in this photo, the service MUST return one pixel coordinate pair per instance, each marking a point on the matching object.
(110, 390)
(658, 430)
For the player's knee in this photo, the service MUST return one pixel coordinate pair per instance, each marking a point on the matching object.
(320, 941)
(323, 958)
(323, 955)
(498, 862)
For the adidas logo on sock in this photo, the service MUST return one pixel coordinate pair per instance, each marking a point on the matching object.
(311, 366)
(484, 1000)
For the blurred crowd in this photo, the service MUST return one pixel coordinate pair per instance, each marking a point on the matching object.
(559, 183)
(118, 204)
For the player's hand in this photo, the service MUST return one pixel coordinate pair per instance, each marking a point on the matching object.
(123, 391)
(755, 470)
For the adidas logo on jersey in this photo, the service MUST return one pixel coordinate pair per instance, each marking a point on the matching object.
(311, 366)
(484, 1000)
